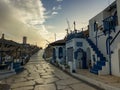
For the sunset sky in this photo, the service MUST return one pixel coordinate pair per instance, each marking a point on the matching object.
(39, 20)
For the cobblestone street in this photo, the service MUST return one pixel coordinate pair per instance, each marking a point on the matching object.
(40, 75)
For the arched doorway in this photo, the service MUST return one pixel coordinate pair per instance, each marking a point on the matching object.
(88, 58)
(54, 55)
(80, 57)
(60, 55)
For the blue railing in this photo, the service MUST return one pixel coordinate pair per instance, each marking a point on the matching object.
(98, 65)
(109, 24)
(75, 35)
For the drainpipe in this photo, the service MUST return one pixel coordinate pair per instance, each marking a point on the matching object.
(108, 49)
(96, 30)
(109, 53)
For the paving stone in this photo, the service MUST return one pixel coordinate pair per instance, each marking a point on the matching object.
(48, 73)
(48, 76)
(51, 80)
(39, 81)
(68, 88)
(67, 82)
(35, 75)
(59, 87)
(23, 84)
(61, 75)
(24, 88)
(29, 78)
(20, 79)
(82, 86)
(4, 87)
(45, 87)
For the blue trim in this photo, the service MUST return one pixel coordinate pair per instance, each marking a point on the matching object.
(96, 30)
(60, 55)
(98, 65)
(74, 35)
(108, 44)
(109, 24)
(54, 54)
(94, 58)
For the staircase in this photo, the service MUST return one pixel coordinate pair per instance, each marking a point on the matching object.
(102, 60)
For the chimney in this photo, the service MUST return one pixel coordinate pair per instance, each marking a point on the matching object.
(3, 36)
(24, 40)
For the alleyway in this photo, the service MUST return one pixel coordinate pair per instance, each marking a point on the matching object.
(40, 75)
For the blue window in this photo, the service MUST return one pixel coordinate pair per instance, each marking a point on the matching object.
(54, 53)
(60, 52)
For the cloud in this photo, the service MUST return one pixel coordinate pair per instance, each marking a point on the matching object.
(50, 27)
(60, 36)
(57, 7)
(20, 18)
(54, 13)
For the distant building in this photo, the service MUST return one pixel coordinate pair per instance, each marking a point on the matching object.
(24, 40)
(3, 36)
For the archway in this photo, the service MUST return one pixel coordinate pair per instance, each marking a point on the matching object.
(60, 55)
(80, 57)
(54, 54)
(88, 58)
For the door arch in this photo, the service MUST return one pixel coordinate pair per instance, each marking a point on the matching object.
(80, 56)
(60, 54)
(54, 54)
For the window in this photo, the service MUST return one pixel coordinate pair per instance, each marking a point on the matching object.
(60, 52)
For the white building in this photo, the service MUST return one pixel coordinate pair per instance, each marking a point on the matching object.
(100, 52)
(76, 56)
(104, 33)
(58, 55)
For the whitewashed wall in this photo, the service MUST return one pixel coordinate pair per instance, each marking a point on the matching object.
(102, 39)
(118, 10)
(57, 53)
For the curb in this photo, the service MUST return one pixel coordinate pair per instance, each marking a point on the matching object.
(94, 82)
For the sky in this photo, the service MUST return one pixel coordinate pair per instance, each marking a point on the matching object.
(42, 20)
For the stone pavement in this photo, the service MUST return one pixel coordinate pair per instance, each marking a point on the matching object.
(40, 75)
(107, 82)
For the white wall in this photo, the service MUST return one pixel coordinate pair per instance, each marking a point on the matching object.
(102, 39)
(116, 62)
(57, 53)
(118, 11)
(115, 57)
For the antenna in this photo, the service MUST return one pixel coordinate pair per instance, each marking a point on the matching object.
(74, 26)
(66, 31)
(68, 24)
(55, 36)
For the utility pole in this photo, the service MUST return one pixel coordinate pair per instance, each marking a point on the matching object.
(68, 24)
(74, 26)
(66, 31)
